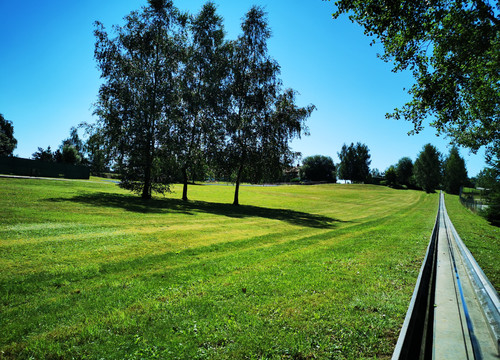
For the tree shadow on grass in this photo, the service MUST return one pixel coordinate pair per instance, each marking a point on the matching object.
(164, 206)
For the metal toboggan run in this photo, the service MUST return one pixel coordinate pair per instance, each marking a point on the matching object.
(454, 312)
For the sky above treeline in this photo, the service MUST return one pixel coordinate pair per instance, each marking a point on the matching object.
(49, 79)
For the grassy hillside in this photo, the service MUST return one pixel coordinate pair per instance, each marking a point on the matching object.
(297, 272)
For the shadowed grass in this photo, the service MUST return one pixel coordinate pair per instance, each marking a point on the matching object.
(162, 206)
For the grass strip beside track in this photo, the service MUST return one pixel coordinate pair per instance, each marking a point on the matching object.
(481, 238)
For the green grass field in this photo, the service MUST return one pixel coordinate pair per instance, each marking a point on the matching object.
(89, 271)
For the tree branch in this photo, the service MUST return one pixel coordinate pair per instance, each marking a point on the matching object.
(488, 11)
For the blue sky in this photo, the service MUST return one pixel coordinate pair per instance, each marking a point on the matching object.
(49, 79)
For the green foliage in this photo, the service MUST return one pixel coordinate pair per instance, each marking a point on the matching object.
(198, 129)
(253, 89)
(404, 171)
(375, 177)
(391, 176)
(70, 155)
(354, 162)
(7, 140)
(318, 168)
(455, 173)
(180, 96)
(487, 178)
(493, 159)
(287, 122)
(261, 119)
(138, 100)
(492, 213)
(74, 141)
(97, 152)
(452, 49)
(427, 169)
(71, 151)
(43, 155)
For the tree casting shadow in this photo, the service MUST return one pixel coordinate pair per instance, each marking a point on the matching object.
(160, 206)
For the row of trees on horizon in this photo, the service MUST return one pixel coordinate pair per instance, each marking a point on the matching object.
(430, 171)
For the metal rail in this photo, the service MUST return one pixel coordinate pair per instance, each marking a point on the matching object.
(454, 312)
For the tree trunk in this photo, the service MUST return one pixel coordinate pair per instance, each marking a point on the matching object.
(146, 190)
(185, 187)
(237, 189)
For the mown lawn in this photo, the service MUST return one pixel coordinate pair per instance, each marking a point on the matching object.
(89, 271)
(481, 238)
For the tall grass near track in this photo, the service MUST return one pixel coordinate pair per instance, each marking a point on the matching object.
(296, 272)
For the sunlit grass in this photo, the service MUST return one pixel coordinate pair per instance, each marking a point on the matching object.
(91, 271)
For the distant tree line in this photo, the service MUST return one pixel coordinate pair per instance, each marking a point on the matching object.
(71, 151)
(429, 172)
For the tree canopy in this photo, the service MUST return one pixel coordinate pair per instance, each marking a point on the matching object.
(203, 92)
(43, 155)
(179, 99)
(318, 168)
(70, 155)
(455, 173)
(487, 178)
(391, 176)
(452, 48)
(7, 140)
(261, 119)
(427, 168)
(404, 171)
(138, 100)
(354, 162)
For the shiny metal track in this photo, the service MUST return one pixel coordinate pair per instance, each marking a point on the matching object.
(454, 312)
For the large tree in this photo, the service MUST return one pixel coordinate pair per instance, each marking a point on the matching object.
(138, 100)
(404, 171)
(318, 168)
(391, 176)
(427, 169)
(286, 122)
(96, 151)
(202, 92)
(452, 47)
(455, 173)
(7, 140)
(354, 162)
(261, 120)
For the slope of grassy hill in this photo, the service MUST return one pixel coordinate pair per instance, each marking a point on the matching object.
(296, 272)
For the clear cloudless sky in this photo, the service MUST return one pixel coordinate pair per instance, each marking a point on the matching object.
(49, 79)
